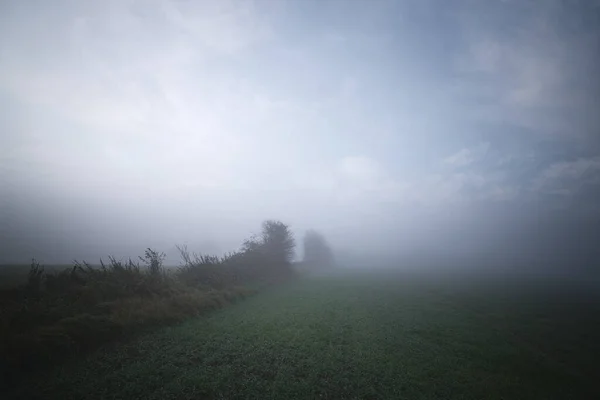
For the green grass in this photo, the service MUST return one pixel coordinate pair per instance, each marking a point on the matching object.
(356, 337)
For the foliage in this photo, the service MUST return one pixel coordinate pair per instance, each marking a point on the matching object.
(154, 262)
(262, 258)
(278, 241)
(204, 270)
(251, 265)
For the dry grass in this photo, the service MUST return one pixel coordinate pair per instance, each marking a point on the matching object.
(56, 316)
(140, 311)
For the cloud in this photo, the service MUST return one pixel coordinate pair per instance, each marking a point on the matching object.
(362, 179)
(532, 72)
(443, 190)
(226, 27)
(246, 108)
(462, 179)
(517, 71)
(467, 156)
(125, 68)
(568, 178)
(360, 168)
(472, 175)
(137, 91)
(366, 186)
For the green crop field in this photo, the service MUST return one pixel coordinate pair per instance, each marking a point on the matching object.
(357, 336)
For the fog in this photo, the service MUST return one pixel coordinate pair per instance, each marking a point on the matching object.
(452, 133)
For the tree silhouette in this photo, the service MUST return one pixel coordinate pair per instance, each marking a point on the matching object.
(275, 243)
(316, 250)
(278, 241)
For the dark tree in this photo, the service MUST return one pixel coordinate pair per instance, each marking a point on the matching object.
(316, 250)
(275, 243)
(278, 241)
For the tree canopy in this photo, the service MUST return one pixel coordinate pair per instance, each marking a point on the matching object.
(275, 241)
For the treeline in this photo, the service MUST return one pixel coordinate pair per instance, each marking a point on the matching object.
(56, 315)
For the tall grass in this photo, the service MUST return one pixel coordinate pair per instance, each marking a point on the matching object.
(56, 315)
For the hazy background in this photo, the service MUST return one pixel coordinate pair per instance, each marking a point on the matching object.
(396, 128)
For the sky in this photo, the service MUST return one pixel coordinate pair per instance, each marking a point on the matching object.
(390, 126)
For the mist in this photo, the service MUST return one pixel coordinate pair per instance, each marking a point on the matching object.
(409, 133)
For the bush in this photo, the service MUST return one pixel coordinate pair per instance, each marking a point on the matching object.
(254, 264)
(204, 270)
(154, 262)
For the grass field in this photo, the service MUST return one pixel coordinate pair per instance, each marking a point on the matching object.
(358, 336)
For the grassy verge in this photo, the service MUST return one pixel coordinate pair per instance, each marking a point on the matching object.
(356, 337)
(59, 315)
(55, 316)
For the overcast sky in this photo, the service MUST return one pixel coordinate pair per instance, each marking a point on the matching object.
(127, 124)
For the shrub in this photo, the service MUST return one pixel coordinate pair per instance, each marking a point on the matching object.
(154, 262)
(204, 270)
